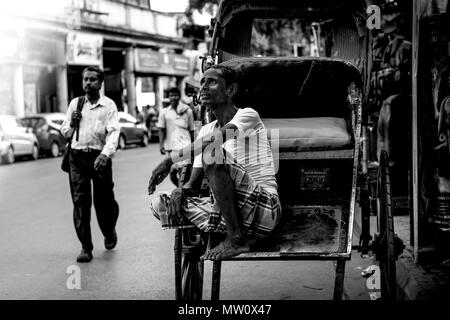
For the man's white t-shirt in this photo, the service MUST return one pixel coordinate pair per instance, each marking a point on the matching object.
(251, 149)
(178, 126)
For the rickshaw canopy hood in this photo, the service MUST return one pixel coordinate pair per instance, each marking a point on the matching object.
(313, 9)
(232, 26)
(294, 86)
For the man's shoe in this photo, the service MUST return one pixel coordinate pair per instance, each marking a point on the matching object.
(84, 256)
(110, 242)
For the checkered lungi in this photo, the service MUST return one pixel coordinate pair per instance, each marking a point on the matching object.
(260, 210)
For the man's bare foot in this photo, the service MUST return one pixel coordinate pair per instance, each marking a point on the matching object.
(226, 249)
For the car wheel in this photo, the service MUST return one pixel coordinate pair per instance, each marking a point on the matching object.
(122, 142)
(35, 152)
(54, 149)
(144, 140)
(9, 157)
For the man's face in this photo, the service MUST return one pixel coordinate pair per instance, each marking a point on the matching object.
(174, 98)
(213, 90)
(91, 83)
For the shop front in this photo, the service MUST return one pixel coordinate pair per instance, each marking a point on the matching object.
(156, 72)
(33, 74)
(44, 76)
(7, 68)
(114, 53)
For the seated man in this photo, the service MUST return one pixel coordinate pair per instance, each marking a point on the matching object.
(241, 173)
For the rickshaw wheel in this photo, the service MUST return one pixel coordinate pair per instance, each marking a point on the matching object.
(189, 280)
(385, 248)
(190, 245)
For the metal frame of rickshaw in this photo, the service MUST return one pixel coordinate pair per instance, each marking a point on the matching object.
(190, 244)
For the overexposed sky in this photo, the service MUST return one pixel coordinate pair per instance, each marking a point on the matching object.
(38, 7)
(169, 5)
(35, 8)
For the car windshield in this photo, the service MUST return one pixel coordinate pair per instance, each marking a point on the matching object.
(33, 123)
(57, 122)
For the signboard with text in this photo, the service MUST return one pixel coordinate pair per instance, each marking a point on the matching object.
(150, 61)
(84, 49)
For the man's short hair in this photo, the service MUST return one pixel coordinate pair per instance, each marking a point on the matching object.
(228, 74)
(99, 71)
(175, 90)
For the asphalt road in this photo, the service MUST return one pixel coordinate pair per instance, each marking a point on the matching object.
(38, 245)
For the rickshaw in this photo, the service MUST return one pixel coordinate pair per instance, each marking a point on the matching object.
(314, 109)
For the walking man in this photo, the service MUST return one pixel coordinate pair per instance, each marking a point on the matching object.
(176, 129)
(90, 160)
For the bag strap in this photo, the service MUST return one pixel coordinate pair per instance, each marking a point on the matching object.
(79, 108)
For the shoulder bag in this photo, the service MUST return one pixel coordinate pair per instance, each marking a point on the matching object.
(65, 165)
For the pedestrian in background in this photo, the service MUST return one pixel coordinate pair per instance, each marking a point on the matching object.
(90, 160)
(140, 115)
(176, 129)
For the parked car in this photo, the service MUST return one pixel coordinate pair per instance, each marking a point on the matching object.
(132, 131)
(16, 140)
(46, 127)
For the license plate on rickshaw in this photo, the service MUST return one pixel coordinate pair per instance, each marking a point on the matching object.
(315, 179)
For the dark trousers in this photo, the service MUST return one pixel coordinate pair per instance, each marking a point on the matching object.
(82, 172)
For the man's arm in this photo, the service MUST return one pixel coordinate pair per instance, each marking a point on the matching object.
(197, 147)
(162, 130)
(66, 129)
(112, 132)
(192, 187)
(190, 121)
(162, 138)
(190, 152)
(111, 140)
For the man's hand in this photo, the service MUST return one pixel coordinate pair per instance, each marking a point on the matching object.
(100, 162)
(162, 150)
(159, 174)
(76, 117)
(176, 204)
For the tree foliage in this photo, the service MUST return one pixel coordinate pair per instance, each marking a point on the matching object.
(277, 37)
(200, 4)
(269, 37)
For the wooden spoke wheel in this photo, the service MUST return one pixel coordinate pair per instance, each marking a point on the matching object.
(385, 252)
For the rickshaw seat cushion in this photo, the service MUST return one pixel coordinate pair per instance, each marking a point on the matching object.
(309, 133)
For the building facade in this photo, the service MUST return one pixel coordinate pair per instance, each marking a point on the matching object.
(142, 52)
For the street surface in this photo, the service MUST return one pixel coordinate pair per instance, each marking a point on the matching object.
(38, 245)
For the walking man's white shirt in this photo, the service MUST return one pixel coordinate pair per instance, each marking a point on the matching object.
(99, 127)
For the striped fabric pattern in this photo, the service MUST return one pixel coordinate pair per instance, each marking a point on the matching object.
(260, 210)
